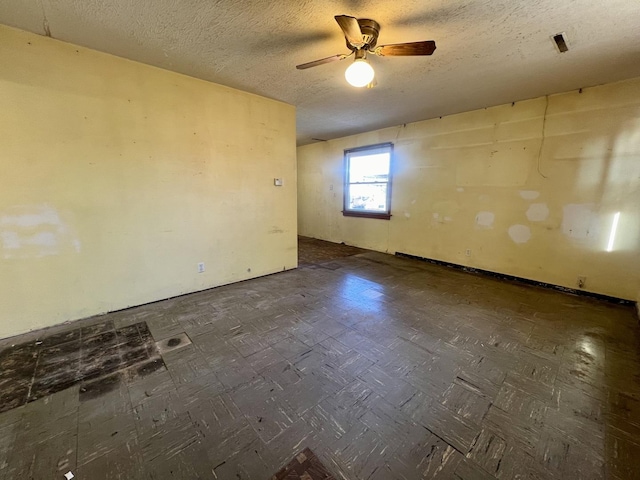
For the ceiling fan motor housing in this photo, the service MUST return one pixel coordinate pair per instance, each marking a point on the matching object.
(370, 30)
(361, 36)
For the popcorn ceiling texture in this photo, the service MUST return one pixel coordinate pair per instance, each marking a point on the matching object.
(489, 52)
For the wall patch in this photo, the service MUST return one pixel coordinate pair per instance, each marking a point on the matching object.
(485, 219)
(520, 233)
(537, 212)
(529, 194)
(579, 221)
(34, 231)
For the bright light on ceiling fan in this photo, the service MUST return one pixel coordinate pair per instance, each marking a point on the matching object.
(359, 73)
(361, 35)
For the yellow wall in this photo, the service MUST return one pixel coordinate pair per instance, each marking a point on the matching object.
(118, 178)
(526, 204)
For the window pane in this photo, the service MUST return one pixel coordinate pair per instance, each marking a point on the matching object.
(371, 197)
(369, 168)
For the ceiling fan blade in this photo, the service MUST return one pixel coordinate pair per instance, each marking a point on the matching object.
(405, 49)
(322, 61)
(351, 29)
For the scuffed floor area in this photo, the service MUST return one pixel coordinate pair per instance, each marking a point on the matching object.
(87, 355)
(386, 368)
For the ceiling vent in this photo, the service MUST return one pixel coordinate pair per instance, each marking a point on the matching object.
(560, 42)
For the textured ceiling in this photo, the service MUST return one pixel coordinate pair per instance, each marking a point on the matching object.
(489, 51)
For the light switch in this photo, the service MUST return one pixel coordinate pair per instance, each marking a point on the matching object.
(277, 182)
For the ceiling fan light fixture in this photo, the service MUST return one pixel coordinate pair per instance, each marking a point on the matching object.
(360, 73)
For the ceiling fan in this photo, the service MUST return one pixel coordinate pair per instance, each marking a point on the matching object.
(361, 35)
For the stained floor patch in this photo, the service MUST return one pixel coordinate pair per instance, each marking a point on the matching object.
(305, 466)
(33, 370)
(173, 343)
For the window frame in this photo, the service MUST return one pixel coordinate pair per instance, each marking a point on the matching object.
(346, 186)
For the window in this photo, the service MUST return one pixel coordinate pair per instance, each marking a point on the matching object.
(367, 181)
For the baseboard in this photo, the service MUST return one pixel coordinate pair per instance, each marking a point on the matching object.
(527, 281)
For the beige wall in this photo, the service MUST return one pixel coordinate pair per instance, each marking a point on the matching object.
(534, 205)
(118, 178)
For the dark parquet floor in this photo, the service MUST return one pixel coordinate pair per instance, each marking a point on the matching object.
(386, 368)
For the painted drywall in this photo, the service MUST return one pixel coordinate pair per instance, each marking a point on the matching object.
(119, 178)
(530, 188)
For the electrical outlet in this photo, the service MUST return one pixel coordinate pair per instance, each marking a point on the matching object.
(467, 252)
(582, 281)
(201, 267)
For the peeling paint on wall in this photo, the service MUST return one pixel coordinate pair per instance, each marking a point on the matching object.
(520, 233)
(529, 194)
(579, 221)
(538, 212)
(485, 219)
(34, 231)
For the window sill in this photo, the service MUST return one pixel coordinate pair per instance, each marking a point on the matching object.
(377, 215)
